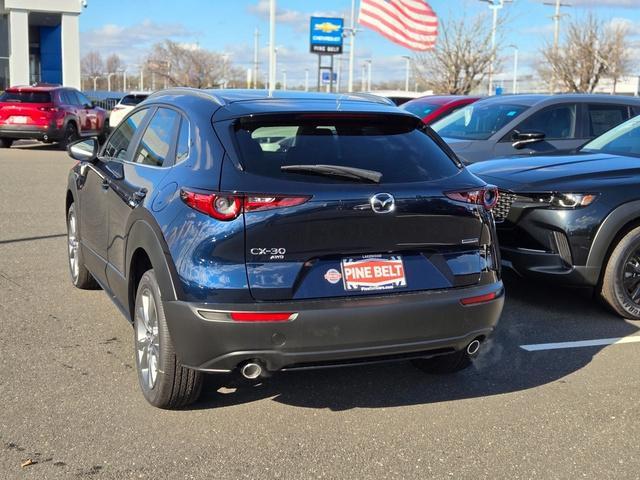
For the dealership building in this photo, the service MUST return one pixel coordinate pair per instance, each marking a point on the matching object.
(40, 42)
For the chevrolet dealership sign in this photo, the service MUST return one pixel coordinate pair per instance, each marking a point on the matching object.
(326, 35)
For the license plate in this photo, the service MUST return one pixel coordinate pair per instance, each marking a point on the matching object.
(19, 119)
(373, 273)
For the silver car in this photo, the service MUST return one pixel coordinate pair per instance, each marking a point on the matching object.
(513, 125)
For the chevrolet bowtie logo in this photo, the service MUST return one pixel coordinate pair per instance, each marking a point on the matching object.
(327, 27)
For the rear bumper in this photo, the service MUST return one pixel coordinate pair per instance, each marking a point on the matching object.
(335, 331)
(35, 132)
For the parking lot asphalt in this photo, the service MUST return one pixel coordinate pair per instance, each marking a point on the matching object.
(70, 401)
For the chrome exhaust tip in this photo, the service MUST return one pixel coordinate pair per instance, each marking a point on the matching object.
(251, 370)
(473, 348)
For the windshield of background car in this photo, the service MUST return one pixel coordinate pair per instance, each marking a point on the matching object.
(397, 146)
(477, 121)
(132, 100)
(26, 97)
(421, 109)
(621, 140)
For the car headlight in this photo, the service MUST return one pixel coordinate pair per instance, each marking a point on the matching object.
(572, 200)
(557, 199)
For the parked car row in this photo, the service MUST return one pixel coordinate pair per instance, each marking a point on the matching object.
(241, 231)
(52, 113)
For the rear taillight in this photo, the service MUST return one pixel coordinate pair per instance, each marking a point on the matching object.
(487, 196)
(223, 206)
(253, 203)
(49, 109)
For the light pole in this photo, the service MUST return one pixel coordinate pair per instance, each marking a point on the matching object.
(95, 83)
(369, 75)
(272, 45)
(306, 79)
(494, 5)
(515, 68)
(109, 81)
(284, 79)
(406, 79)
(352, 44)
(363, 85)
(556, 33)
(256, 65)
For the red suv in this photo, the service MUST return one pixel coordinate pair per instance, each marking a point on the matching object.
(49, 113)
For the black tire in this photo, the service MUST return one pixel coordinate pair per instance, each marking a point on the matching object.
(70, 134)
(444, 364)
(6, 142)
(172, 386)
(80, 276)
(620, 287)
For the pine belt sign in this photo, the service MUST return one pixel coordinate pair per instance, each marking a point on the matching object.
(326, 35)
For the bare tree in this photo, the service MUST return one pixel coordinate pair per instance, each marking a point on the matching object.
(591, 50)
(92, 64)
(461, 59)
(191, 66)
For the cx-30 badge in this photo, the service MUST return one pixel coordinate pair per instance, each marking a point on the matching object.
(383, 203)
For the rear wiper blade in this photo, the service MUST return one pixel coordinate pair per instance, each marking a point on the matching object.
(336, 171)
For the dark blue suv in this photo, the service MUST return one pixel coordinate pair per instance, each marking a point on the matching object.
(255, 232)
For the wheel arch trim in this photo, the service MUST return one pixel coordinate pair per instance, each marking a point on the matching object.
(609, 229)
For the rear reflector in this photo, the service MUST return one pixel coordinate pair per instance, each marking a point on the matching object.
(479, 299)
(262, 316)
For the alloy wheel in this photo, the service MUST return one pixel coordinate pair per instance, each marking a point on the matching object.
(631, 276)
(147, 338)
(72, 243)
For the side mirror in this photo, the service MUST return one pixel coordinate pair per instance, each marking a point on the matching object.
(522, 139)
(84, 150)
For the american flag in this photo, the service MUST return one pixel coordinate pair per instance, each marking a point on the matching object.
(410, 23)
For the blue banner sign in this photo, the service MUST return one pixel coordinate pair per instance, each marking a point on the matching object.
(326, 35)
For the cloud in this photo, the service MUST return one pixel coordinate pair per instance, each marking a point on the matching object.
(605, 3)
(131, 42)
(297, 19)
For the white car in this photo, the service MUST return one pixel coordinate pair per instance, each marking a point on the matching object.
(124, 106)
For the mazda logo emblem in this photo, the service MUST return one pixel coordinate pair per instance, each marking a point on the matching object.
(383, 203)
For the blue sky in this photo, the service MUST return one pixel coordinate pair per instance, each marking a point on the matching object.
(130, 27)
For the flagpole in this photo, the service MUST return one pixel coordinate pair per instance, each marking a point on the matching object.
(272, 45)
(352, 46)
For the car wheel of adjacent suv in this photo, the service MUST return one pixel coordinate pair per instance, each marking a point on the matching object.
(80, 276)
(70, 134)
(621, 280)
(5, 142)
(443, 364)
(164, 382)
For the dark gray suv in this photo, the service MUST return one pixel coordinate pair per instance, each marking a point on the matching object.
(514, 125)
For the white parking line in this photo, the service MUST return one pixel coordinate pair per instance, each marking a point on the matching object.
(583, 343)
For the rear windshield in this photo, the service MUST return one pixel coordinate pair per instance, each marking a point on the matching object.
(26, 97)
(421, 109)
(132, 100)
(397, 146)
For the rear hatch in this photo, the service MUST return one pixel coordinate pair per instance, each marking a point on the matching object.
(369, 213)
(25, 107)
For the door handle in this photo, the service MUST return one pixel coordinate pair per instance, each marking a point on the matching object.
(105, 184)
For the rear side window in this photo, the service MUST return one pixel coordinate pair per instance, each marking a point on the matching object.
(397, 146)
(120, 141)
(182, 147)
(26, 97)
(132, 100)
(157, 139)
(604, 117)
